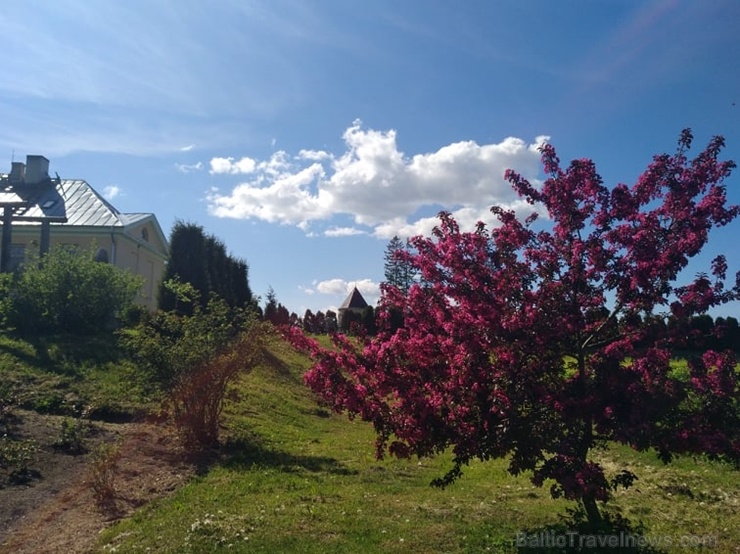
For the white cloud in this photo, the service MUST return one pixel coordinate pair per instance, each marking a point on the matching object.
(187, 148)
(188, 168)
(370, 290)
(378, 185)
(332, 286)
(338, 289)
(111, 191)
(314, 155)
(287, 199)
(343, 232)
(467, 218)
(229, 166)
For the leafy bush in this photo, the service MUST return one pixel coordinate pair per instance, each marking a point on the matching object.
(66, 291)
(170, 344)
(15, 457)
(72, 436)
(46, 400)
(6, 282)
(193, 358)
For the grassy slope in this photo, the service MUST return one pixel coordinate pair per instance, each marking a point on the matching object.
(71, 376)
(297, 479)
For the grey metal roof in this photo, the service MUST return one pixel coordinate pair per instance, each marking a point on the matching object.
(73, 199)
(132, 218)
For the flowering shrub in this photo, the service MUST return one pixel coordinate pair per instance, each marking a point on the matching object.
(536, 340)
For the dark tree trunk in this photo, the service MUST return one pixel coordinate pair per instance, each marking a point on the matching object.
(592, 511)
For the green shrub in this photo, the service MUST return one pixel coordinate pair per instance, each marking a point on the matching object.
(50, 401)
(66, 291)
(193, 359)
(72, 436)
(170, 344)
(6, 303)
(15, 457)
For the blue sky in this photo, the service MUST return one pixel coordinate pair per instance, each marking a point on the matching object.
(306, 133)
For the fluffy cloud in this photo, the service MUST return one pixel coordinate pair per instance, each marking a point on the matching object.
(370, 290)
(229, 166)
(286, 199)
(314, 155)
(338, 289)
(111, 191)
(381, 188)
(332, 286)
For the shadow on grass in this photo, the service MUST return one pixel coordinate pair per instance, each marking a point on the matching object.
(575, 534)
(248, 453)
(17, 352)
(280, 368)
(62, 354)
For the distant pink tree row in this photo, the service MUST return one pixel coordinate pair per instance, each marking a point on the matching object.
(533, 340)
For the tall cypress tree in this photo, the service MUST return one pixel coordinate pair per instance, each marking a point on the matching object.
(201, 260)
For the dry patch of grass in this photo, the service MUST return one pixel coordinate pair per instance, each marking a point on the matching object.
(58, 511)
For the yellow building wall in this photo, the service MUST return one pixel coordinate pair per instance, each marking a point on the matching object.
(123, 251)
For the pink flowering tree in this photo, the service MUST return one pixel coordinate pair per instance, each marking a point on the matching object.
(536, 341)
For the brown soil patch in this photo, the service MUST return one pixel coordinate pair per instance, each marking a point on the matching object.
(56, 510)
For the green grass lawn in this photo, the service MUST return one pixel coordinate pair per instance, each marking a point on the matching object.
(66, 375)
(294, 478)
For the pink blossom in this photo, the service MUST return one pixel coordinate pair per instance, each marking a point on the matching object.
(478, 365)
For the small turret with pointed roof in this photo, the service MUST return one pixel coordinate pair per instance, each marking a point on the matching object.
(354, 301)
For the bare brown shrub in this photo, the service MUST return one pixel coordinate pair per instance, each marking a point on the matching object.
(197, 397)
(102, 471)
